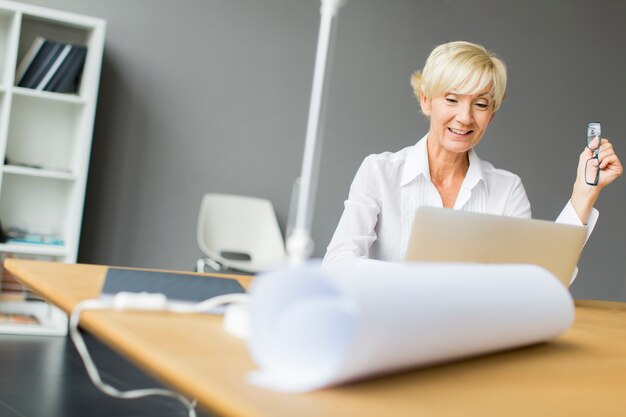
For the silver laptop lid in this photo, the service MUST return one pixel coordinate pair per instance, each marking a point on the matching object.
(446, 235)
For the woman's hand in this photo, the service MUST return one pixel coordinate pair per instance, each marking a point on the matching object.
(584, 195)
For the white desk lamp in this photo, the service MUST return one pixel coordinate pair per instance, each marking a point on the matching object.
(300, 243)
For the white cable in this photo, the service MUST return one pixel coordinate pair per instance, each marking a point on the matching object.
(142, 301)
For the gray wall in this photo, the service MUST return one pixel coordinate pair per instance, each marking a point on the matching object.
(212, 96)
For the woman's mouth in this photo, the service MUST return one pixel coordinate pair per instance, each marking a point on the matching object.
(460, 132)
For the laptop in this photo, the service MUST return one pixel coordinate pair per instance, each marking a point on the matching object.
(446, 235)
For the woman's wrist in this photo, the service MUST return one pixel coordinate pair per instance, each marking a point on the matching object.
(583, 198)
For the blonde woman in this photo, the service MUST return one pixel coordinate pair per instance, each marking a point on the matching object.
(459, 90)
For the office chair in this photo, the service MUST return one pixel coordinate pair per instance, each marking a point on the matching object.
(238, 233)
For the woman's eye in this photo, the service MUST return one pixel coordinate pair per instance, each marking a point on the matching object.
(450, 100)
(482, 106)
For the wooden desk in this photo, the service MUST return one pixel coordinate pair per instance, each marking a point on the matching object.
(582, 373)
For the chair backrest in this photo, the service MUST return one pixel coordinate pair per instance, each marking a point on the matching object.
(240, 232)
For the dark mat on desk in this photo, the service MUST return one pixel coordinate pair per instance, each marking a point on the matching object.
(179, 287)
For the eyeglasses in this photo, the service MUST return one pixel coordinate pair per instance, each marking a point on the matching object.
(592, 166)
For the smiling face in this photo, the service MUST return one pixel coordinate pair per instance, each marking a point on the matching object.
(457, 121)
(460, 88)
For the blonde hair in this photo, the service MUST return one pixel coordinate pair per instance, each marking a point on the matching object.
(462, 68)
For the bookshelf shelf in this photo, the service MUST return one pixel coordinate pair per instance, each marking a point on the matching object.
(38, 172)
(48, 95)
(34, 249)
(45, 137)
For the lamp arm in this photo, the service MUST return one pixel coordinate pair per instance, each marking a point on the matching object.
(300, 243)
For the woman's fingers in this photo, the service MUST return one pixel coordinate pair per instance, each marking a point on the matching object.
(607, 155)
(593, 144)
(610, 164)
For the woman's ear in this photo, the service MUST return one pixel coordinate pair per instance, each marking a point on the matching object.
(425, 104)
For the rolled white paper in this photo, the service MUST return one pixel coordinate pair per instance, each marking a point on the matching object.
(314, 328)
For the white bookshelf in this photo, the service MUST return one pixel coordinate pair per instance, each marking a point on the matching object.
(45, 142)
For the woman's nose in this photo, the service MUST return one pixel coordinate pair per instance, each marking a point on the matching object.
(464, 114)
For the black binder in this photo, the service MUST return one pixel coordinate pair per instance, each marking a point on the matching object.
(40, 64)
(65, 78)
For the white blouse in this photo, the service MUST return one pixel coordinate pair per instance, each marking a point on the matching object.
(389, 187)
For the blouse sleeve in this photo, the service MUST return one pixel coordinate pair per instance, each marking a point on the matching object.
(568, 216)
(356, 232)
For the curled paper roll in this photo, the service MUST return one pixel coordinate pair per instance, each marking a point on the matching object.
(314, 328)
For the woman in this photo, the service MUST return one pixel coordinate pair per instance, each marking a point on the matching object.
(460, 89)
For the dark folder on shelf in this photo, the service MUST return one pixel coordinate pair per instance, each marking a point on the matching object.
(54, 66)
(51, 66)
(65, 77)
(40, 64)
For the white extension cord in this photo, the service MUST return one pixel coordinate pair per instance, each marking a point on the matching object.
(141, 301)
